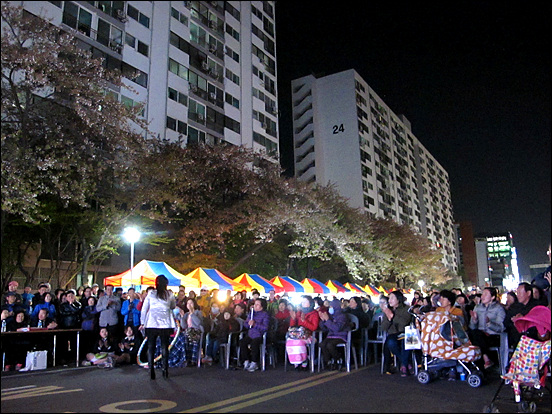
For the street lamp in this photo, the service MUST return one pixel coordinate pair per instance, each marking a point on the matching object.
(421, 283)
(131, 235)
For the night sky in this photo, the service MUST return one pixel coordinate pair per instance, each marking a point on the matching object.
(472, 77)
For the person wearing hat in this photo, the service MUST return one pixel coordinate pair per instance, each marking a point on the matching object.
(204, 301)
(12, 287)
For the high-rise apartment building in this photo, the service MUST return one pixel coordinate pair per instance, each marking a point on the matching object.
(206, 70)
(346, 135)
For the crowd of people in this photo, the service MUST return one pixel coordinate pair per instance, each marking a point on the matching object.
(114, 323)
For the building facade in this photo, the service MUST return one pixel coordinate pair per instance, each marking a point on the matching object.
(346, 135)
(206, 70)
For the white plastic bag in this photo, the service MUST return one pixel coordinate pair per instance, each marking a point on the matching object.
(36, 360)
(412, 338)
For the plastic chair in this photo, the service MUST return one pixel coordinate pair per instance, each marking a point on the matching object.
(349, 347)
(381, 336)
(503, 352)
(226, 348)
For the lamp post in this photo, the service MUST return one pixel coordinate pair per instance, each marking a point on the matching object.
(421, 283)
(131, 235)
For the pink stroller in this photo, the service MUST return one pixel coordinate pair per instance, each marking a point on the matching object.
(529, 363)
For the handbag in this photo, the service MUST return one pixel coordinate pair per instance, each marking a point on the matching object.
(412, 338)
(299, 332)
(36, 360)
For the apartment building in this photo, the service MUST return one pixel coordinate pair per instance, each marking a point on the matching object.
(206, 70)
(345, 134)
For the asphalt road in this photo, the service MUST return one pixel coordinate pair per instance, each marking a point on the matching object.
(128, 389)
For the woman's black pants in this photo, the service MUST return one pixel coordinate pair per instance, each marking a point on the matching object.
(164, 334)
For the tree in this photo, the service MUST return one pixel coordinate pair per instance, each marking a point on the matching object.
(66, 141)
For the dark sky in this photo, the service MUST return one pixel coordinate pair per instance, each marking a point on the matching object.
(472, 77)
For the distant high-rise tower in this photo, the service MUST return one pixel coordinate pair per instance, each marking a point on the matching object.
(346, 135)
(206, 70)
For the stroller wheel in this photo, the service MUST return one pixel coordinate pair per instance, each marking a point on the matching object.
(474, 380)
(424, 377)
(490, 409)
(526, 407)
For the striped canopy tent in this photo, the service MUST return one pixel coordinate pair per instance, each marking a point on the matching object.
(371, 290)
(214, 279)
(145, 273)
(254, 281)
(289, 284)
(354, 288)
(382, 290)
(336, 287)
(315, 286)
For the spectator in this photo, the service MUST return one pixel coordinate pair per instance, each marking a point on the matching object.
(191, 324)
(256, 324)
(319, 305)
(89, 324)
(103, 351)
(283, 317)
(128, 347)
(47, 302)
(16, 349)
(129, 309)
(272, 303)
(12, 306)
(335, 322)
(487, 322)
(446, 304)
(86, 293)
(204, 301)
(239, 311)
(511, 298)
(95, 290)
(225, 325)
(254, 296)
(70, 312)
(27, 299)
(308, 318)
(417, 298)
(394, 322)
(181, 298)
(109, 307)
(43, 320)
(539, 296)
(211, 319)
(525, 303)
(12, 288)
(355, 308)
(239, 298)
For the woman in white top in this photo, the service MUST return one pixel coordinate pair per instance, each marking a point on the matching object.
(158, 319)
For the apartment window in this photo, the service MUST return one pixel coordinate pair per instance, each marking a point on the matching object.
(195, 136)
(232, 101)
(138, 16)
(179, 16)
(232, 76)
(232, 10)
(143, 48)
(77, 18)
(232, 32)
(230, 52)
(178, 96)
(178, 69)
(171, 123)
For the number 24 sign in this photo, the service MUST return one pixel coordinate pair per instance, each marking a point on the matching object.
(338, 128)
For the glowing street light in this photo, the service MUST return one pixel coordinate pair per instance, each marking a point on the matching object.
(421, 283)
(131, 235)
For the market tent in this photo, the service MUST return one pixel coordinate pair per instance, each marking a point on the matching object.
(315, 286)
(289, 284)
(214, 279)
(354, 288)
(254, 281)
(145, 273)
(336, 287)
(371, 290)
(382, 290)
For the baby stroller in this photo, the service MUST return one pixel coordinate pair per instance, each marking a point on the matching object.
(529, 363)
(447, 350)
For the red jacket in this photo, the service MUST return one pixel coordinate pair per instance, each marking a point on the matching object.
(311, 320)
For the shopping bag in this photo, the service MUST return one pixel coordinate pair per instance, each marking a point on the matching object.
(412, 338)
(36, 360)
